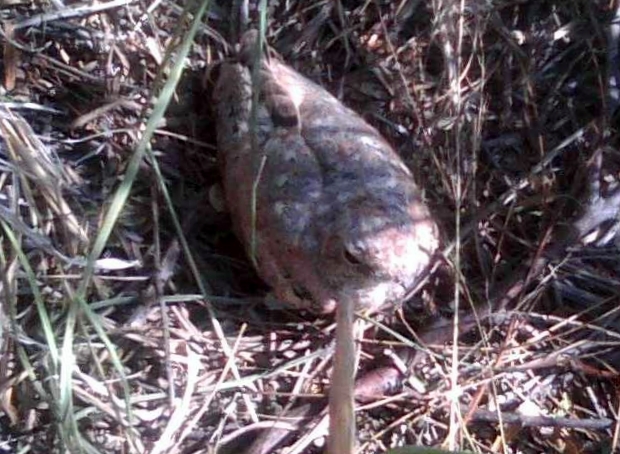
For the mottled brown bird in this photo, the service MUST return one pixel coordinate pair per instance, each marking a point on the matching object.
(321, 201)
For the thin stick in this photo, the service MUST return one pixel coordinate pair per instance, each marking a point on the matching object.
(68, 13)
(341, 405)
(543, 421)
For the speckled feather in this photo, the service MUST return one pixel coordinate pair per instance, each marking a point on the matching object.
(338, 214)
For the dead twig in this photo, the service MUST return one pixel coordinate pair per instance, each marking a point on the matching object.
(542, 421)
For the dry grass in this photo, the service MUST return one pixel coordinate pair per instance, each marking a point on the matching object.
(131, 321)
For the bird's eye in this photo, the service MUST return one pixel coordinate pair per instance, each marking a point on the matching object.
(302, 293)
(351, 259)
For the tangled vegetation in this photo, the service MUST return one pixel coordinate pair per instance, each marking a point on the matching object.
(130, 318)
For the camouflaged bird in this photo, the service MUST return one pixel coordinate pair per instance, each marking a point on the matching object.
(337, 215)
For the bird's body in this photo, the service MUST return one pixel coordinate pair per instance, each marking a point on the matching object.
(336, 211)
